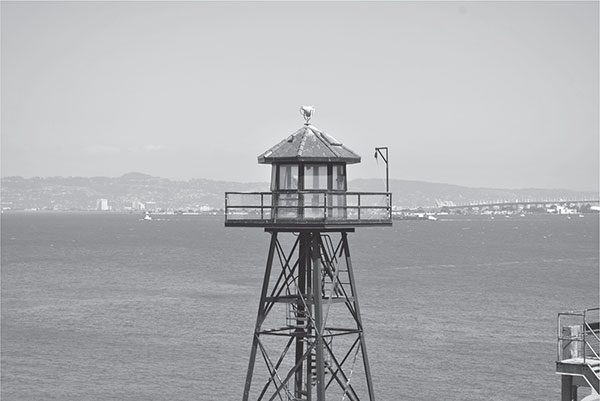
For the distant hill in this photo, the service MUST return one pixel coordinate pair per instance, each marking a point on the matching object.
(123, 193)
(130, 190)
(412, 194)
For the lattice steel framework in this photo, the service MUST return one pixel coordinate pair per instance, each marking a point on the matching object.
(309, 332)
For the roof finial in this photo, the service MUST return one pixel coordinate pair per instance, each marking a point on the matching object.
(307, 112)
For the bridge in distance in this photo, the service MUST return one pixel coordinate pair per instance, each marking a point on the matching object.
(516, 203)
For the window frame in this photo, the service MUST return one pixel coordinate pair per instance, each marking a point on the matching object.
(275, 177)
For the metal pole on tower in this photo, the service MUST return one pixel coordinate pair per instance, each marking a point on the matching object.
(378, 150)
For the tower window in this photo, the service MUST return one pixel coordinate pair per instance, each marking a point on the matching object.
(288, 177)
(315, 176)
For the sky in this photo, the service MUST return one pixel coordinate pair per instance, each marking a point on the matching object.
(481, 94)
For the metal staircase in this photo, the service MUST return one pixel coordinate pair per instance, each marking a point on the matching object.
(594, 376)
(578, 358)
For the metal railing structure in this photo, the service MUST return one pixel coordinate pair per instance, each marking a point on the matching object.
(579, 336)
(308, 207)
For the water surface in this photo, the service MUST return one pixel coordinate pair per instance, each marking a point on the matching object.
(109, 307)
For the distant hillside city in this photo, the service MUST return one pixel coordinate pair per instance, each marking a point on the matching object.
(137, 193)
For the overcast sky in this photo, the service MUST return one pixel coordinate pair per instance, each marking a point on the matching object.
(480, 94)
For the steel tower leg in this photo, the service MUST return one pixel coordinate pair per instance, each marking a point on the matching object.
(568, 391)
(260, 316)
(318, 315)
(310, 329)
(363, 343)
(301, 318)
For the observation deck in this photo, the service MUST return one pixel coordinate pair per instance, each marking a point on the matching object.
(309, 188)
(299, 210)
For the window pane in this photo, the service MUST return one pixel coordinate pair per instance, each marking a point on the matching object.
(273, 177)
(288, 176)
(339, 178)
(315, 176)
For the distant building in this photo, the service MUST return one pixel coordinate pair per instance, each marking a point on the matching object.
(102, 204)
(137, 205)
(559, 209)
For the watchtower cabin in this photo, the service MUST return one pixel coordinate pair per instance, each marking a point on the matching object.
(308, 333)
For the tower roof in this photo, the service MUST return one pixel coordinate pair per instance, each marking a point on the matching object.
(309, 144)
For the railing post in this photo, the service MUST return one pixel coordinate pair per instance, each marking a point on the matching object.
(560, 339)
(226, 196)
(261, 206)
(325, 206)
(583, 326)
(359, 207)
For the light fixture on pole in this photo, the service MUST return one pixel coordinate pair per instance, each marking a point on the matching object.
(385, 159)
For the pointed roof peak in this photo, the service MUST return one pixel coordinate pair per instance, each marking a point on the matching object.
(309, 144)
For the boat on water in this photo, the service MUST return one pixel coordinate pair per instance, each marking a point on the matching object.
(415, 216)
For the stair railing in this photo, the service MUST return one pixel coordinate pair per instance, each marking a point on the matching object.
(587, 328)
(587, 340)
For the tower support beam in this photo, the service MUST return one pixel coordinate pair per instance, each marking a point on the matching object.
(301, 317)
(260, 316)
(318, 313)
(308, 327)
(363, 343)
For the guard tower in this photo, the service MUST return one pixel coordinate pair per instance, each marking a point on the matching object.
(309, 332)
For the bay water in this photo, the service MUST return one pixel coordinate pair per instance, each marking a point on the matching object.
(107, 306)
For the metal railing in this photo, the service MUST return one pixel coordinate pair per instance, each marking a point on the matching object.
(308, 207)
(581, 340)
